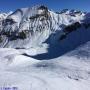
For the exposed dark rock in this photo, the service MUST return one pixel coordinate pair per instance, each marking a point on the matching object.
(9, 21)
(1, 39)
(42, 7)
(22, 35)
(68, 29)
(72, 27)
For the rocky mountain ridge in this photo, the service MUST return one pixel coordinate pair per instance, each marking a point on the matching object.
(28, 27)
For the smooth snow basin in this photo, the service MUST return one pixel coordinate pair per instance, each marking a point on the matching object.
(26, 73)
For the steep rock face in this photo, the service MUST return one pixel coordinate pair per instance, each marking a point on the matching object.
(28, 27)
(3, 16)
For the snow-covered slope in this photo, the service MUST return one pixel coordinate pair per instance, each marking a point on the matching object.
(3, 16)
(45, 50)
(29, 27)
(62, 73)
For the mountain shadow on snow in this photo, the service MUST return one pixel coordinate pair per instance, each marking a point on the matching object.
(71, 41)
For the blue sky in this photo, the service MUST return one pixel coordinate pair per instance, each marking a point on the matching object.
(57, 5)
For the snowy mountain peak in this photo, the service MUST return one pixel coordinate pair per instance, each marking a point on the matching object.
(44, 50)
(71, 12)
(28, 27)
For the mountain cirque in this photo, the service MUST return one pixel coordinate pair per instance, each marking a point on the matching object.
(45, 50)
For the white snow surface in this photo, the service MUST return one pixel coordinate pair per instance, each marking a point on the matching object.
(42, 61)
(26, 73)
